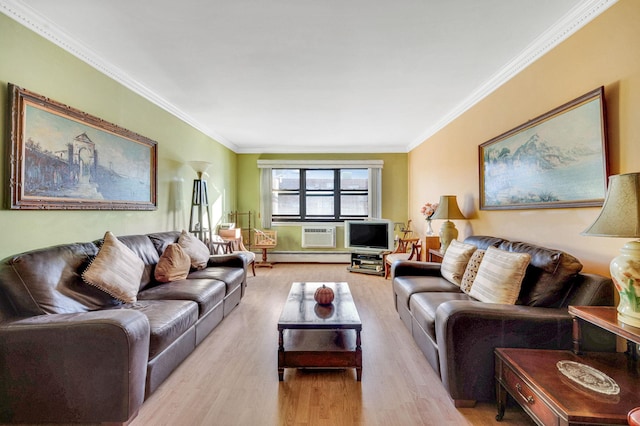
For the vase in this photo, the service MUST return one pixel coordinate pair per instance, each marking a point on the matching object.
(429, 228)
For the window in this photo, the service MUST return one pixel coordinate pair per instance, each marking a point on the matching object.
(319, 191)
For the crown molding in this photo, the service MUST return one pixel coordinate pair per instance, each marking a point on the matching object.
(47, 29)
(575, 19)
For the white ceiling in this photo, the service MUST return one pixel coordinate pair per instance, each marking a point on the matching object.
(309, 76)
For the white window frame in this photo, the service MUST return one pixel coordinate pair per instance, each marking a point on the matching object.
(374, 189)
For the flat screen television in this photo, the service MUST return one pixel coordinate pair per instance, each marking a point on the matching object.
(368, 235)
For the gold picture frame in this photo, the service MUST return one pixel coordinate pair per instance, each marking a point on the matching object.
(62, 158)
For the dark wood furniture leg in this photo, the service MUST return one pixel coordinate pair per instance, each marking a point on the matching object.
(281, 355)
(358, 357)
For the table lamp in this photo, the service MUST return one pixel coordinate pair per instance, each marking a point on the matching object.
(447, 209)
(620, 217)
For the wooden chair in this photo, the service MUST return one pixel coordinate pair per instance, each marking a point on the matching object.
(265, 240)
(407, 249)
(236, 245)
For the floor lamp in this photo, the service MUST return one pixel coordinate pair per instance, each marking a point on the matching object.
(200, 218)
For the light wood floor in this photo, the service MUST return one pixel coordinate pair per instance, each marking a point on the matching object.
(231, 378)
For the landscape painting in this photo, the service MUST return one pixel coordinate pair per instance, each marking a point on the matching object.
(66, 159)
(556, 160)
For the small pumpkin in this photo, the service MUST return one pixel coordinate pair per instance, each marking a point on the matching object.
(323, 295)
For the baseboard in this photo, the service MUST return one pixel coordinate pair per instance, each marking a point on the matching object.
(306, 257)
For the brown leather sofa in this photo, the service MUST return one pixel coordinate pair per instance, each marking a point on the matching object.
(69, 353)
(458, 334)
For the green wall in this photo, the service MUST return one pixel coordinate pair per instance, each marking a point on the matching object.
(394, 191)
(34, 63)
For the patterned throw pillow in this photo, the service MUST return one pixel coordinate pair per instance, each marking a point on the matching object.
(116, 270)
(195, 249)
(173, 265)
(499, 276)
(455, 261)
(471, 271)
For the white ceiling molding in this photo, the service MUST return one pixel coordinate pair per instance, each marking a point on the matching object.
(577, 18)
(40, 25)
(572, 21)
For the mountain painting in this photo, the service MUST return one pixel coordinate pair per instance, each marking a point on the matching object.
(558, 160)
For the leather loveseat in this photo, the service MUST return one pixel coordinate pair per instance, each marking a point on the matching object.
(70, 353)
(458, 333)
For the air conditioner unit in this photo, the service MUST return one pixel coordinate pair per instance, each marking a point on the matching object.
(318, 236)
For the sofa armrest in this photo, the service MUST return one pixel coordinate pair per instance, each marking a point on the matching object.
(467, 333)
(85, 367)
(413, 267)
(231, 259)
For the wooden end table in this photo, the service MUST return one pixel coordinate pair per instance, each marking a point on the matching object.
(315, 336)
(532, 378)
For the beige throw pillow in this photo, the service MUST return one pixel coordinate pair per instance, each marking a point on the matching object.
(455, 261)
(195, 249)
(499, 276)
(116, 270)
(173, 265)
(471, 271)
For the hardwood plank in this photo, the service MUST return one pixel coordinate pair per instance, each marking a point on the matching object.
(231, 378)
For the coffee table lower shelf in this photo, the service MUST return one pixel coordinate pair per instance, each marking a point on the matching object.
(324, 348)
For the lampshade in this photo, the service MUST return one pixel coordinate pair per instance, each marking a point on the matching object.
(448, 208)
(620, 217)
(200, 167)
(620, 214)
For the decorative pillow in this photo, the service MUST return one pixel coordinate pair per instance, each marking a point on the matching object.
(173, 265)
(499, 276)
(116, 270)
(195, 249)
(472, 270)
(455, 261)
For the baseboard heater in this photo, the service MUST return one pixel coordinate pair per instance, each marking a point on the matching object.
(318, 237)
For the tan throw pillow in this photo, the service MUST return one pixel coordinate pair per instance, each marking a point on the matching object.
(173, 265)
(471, 271)
(116, 270)
(455, 261)
(195, 249)
(499, 276)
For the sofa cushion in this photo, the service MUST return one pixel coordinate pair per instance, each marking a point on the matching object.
(471, 271)
(196, 249)
(49, 281)
(161, 240)
(405, 286)
(500, 276)
(423, 307)
(483, 241)
(455, 261)
(232, 277)
(168, 320)
(116, 270)
(174, 264)
(205, 292)
(549, 275)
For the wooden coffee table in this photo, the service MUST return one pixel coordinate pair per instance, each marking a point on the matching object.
(315, 336)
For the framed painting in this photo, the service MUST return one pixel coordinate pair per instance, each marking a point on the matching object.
(63, 158)
(556, 160)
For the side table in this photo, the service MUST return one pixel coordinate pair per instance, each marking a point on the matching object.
(435, 255)
(532, 378)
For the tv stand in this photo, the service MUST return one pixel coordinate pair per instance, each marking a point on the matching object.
(367, 263)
